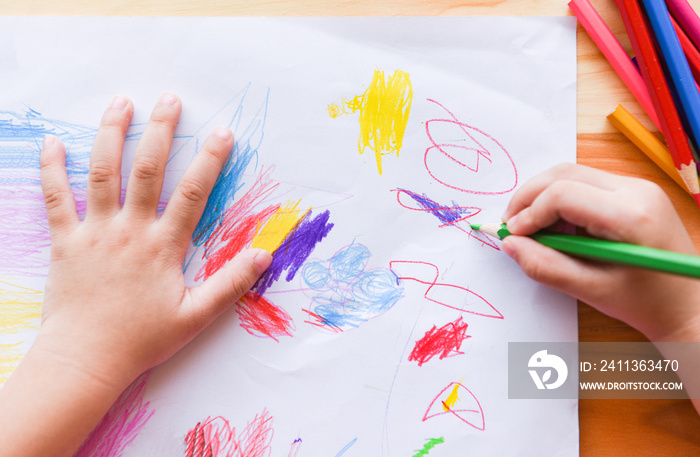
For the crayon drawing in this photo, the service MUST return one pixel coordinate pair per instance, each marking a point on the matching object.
(122, 424)
(380, 327)
(430, 443)
(455, 400)
(345, 293)
(384, 109)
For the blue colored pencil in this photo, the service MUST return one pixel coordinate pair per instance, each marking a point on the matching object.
(680, 76)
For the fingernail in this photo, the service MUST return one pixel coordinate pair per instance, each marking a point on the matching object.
(168, 99)
(223, 133)
(119, 102)
(49, 140)
(508, 248)
(262, 261)
(512, 223)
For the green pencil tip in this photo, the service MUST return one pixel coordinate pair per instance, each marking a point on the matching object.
(475, 226)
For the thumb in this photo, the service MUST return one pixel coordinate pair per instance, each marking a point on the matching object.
(553, 268)
(225, 287)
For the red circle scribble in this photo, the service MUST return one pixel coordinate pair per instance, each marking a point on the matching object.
(476, 146)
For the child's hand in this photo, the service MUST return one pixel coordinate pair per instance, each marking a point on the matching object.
(662, 306)
(116, 302)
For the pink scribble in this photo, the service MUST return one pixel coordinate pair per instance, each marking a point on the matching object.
(452, 164)
(444, 341)
(215, 437)
(449, 295)
(24, 231)
(121, 425)
(294, 449)
(442, 405)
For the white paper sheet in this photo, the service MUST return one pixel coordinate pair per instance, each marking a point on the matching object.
(334, 369)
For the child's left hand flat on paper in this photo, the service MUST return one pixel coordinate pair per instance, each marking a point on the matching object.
(116, 303)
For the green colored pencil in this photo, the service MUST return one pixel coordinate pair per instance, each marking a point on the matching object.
(607, 251)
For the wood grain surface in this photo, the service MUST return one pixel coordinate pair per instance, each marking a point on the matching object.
(608, 427)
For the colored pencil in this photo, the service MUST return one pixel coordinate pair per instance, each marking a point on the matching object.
(691, 53)
(608, 251)
(680, 77)
(653, 74)
(687, 18)
(647, 142)
(615, 53)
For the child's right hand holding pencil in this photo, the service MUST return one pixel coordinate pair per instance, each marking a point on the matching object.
(664, 307)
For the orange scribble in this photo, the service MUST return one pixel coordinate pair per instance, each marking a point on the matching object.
(384, 108)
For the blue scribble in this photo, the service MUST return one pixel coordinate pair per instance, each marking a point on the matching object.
(347, 446)
(295, 249)
(448, 215)
(230, 180)
(347, 294)
(21, 138)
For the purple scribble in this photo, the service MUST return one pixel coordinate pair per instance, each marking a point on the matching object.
(448, 215)
(295, 249)
(121, 425)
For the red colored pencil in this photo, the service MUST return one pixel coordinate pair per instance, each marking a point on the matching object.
(653, 74)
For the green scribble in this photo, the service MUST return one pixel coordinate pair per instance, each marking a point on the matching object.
(431, 443)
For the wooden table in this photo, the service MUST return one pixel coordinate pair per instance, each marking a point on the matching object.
(608, 427)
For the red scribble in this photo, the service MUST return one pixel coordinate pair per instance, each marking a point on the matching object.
(481, 152)
(216, 438)
(444, 341)
(439, 407)
(321, 322)
(260, 316)
(238, 226)
(487, 309)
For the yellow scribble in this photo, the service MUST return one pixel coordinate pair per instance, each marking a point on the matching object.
(278, 226)
(384, 109)
(451, 399)
(9, 359)
(334, 110)
(20, 308)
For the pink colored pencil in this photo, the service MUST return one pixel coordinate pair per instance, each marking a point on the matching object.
(653, 73)
(687, 19)
(615, 53)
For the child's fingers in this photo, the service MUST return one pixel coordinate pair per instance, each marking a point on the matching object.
(58, 196)
(524, 196)
(104, 179)
(148, 171)
(190, 197)
(208, 300)
(578, 203)
(555, 269)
